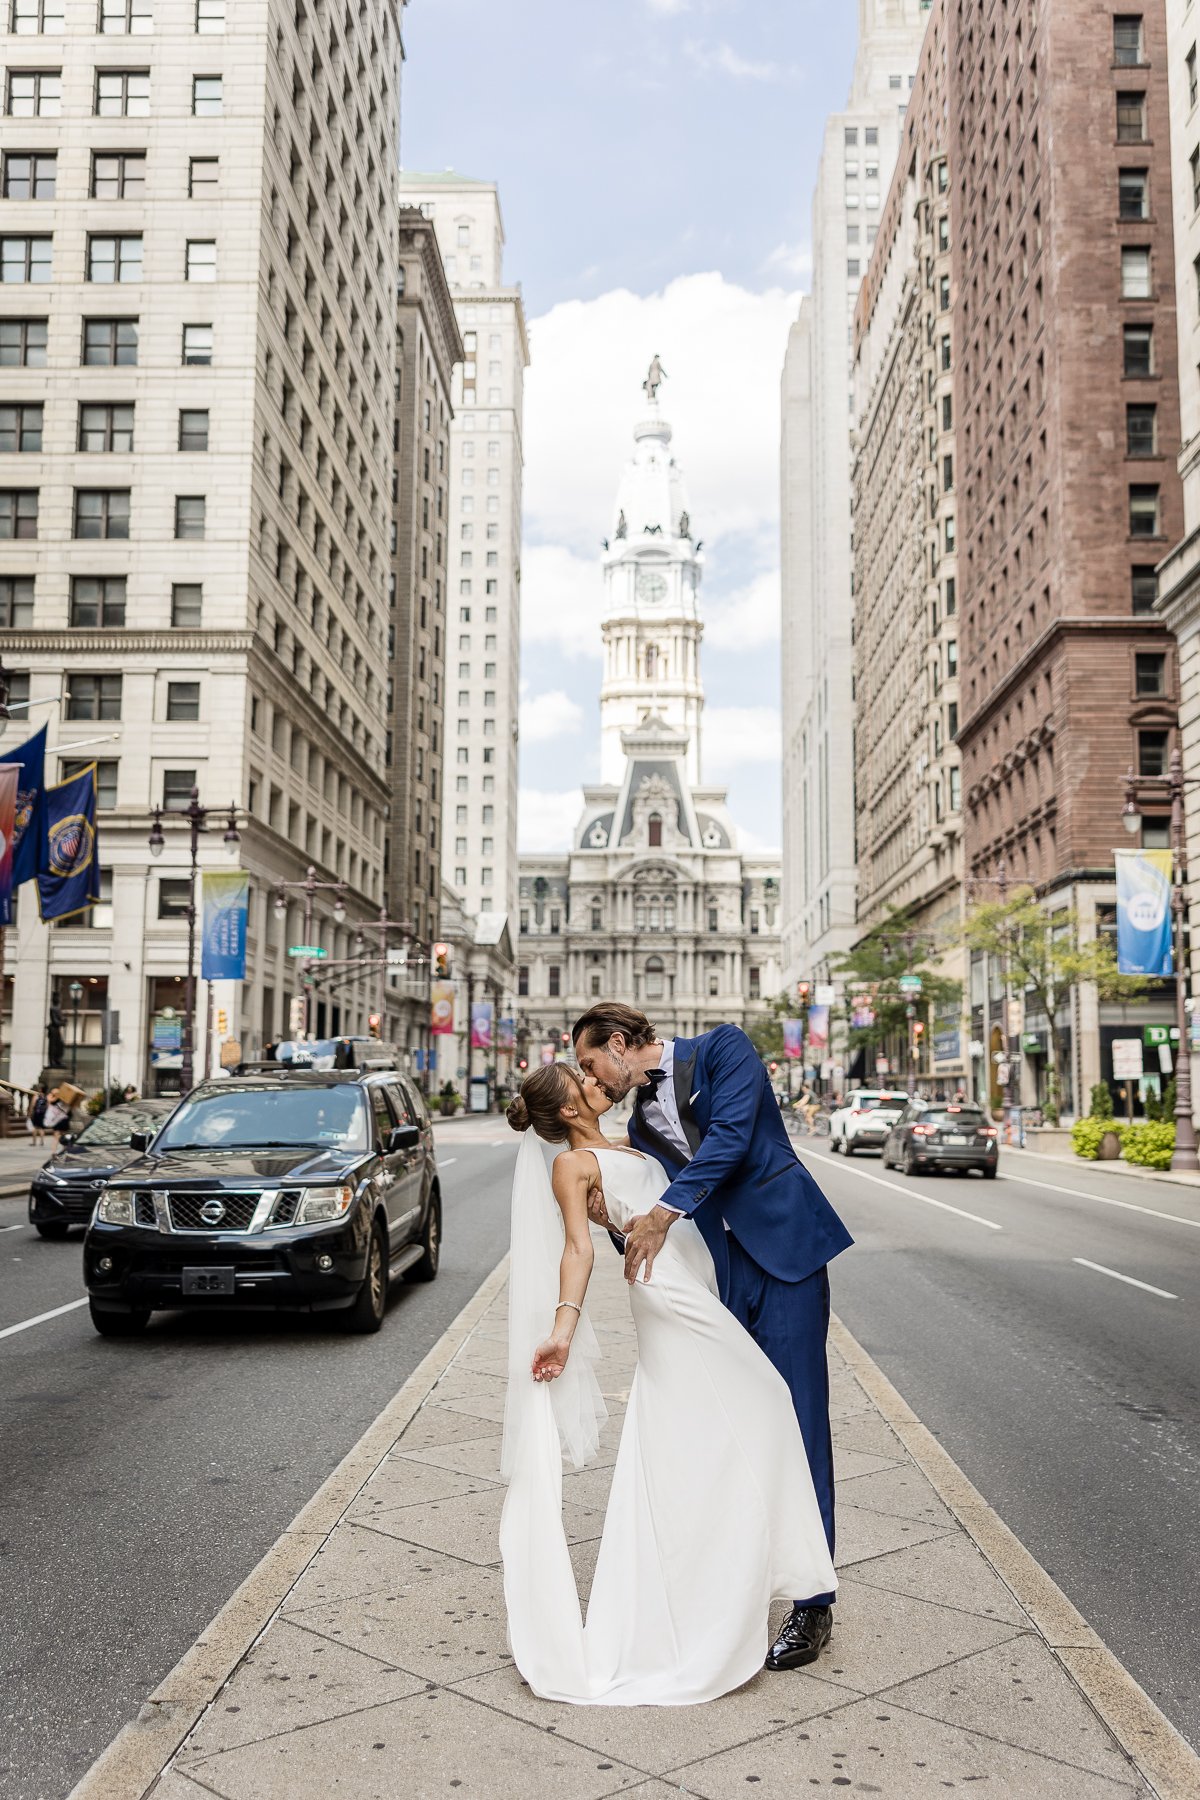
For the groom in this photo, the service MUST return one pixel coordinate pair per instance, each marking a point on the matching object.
(705, 1108)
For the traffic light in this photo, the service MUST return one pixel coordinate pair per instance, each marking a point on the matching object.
(523, 1064)
(375, 1024)
(222, 1021)
(803, 991)
(441, 962)
(566, 1039)
(918, 1031)
(296, 1014)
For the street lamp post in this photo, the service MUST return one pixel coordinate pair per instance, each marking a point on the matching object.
(1184, 1155)
(76, 992)
(310, 887)
(197, 818)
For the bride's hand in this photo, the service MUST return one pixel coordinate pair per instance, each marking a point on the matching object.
(597, 1212)
(550, 1359)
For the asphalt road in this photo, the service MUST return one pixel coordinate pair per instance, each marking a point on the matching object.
(141, 1482)
(1068, 1395)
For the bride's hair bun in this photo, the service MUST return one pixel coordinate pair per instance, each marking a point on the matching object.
(538, 1106)
(518, 1115)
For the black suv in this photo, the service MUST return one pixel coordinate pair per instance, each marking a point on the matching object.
(65, 1190)
(299, 1189)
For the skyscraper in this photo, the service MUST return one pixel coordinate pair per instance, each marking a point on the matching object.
(199, 228)
(819, 407)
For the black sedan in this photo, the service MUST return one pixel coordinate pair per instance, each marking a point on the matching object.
(65, 1190)
(940, 1134)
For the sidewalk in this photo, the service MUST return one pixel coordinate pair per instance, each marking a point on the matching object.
(367, 1657)
(21, 1158)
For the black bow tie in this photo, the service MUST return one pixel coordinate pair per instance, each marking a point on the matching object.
(656, 1077)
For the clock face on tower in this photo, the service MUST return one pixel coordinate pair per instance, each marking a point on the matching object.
(650, 587)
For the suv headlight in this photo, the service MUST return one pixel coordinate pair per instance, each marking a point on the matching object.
(322, 1204)
(115, 1208)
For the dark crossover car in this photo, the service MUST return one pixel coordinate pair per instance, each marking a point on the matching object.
(300, 1189)
(942, 1134)
(65, 1190)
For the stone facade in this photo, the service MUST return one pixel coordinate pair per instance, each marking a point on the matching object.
(212, 242)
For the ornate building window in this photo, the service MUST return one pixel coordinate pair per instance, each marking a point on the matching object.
(654, 831)
(655, 978)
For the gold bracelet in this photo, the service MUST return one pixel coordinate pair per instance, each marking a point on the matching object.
(570, 1303)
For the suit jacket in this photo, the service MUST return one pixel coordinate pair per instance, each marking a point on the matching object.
(744, 1172)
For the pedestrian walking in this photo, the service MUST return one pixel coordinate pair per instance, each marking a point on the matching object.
(57, 1115)
(35, 1124)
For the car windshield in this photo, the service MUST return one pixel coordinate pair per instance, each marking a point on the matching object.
(116, 1127)
(968, 1118)
(870, 1102)
(247, 1118)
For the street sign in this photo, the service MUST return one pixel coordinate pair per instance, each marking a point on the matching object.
(1127, 1059)
(882, 1065)
(1156, 1034)
(397, 957)
(909, 984)
(313, 951)
(826, 994)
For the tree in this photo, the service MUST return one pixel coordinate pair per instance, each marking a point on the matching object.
(765, 1030)
(893, 948)
(1045, 958)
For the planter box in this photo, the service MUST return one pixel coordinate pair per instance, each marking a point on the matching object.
(1051, 1140)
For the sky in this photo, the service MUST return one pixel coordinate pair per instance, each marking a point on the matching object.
(656, 162)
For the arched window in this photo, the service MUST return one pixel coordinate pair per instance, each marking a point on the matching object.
(655, 823)
(654, 978)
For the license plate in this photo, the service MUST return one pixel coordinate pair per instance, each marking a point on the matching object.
(953, 1138)
(207, 1281)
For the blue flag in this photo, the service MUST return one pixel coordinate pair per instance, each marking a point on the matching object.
(29, 836)
(72, 883)
(1144, 912)
(224, 908)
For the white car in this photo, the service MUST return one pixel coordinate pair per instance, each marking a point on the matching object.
(865, 1120)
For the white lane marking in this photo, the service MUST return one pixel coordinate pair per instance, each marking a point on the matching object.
(1117, 1276)
(912, 1194)
(12, 1227)
(499, 1143)
(56, 1313)
(445, 1161)
(1103, 1200)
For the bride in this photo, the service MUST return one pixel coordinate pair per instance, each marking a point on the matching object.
(712, 1512)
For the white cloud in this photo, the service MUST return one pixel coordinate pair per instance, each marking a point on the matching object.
(746, 620)
(667, 6)
(561, 594)
(546, 821)
(732, 736)
(723, 348)
(792, 259)
(552, 715)
(723, 59)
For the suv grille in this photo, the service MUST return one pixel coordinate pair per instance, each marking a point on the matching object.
(143, 1209)
(286, 1207)
(187, 1210)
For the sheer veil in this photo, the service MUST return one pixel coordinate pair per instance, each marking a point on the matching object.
(536, 1250)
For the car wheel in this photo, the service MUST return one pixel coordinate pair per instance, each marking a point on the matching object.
(119, 1324)
(847, 1147)
(989, 1171)
(909, 1165)
(366, 1315)
(51, 1228)
(431, 1244)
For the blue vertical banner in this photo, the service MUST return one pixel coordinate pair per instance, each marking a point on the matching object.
(225, 903)
(29, 822)
(72, 880)
(1144, 912)
(793, 1039)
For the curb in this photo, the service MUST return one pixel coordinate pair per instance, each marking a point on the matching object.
(1165, 1761)
(1116, 1167)
(141, 1751)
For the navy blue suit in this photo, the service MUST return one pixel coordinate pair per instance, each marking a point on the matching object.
(771, 1262)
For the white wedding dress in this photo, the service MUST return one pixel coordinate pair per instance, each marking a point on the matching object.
(712, 1512)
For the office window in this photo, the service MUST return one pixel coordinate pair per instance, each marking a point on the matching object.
(1143, 512)
(951, 592)
(183, 701)
(112, 259)
(204, 177)
(207, 96)
(97, 600)
(1153, 752)
(1143, 588)
(118, 175)
(1131, 118)
(18, 512)
(201, 263)
(210, 17)
(1135, 273)
(16, 601)
(1190, 61)
(851, 137)
(174, 897)
(187, 599)
(1150, 672)
(755, 983)
(949, 537)
(29, 18)
(1127, 40)
(28, 177)
(93, 696)
(554, 981)
(1133, 194)
(522, 981)
(190, 515)
(105, 428)
(1139, 349)
(193, 429)
(106, 777)
(1141, 430)
(951, 659)
(177, 787)
(197, 345)
(26, 259)
(34, 93)
(101, 512)
(23, 343)
(122, 93)
(123, 17)
(20, 428)
(713, 920)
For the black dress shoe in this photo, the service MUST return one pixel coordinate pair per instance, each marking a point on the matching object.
(804, 1635)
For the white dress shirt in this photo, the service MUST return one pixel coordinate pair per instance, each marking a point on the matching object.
(662, 1111)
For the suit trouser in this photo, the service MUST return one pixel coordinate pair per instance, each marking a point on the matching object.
(789, 1321)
